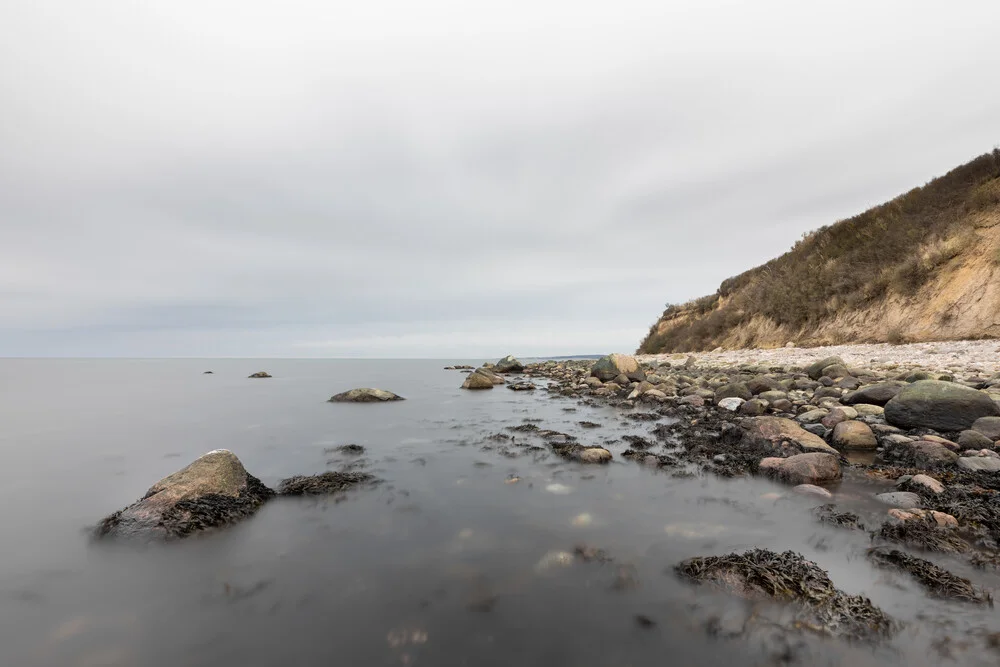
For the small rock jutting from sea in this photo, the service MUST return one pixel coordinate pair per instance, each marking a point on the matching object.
(365, 395)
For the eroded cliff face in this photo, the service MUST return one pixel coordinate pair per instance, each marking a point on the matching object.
(939, 279)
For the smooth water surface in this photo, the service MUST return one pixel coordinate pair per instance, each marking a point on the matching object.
(444, 563)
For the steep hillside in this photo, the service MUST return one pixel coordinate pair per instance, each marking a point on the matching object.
(924, 266)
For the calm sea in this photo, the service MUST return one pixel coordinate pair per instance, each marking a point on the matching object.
(444, 563)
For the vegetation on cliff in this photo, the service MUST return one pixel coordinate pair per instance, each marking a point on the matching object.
(890, 274)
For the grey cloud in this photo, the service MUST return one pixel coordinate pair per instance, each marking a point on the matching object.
(391, 178)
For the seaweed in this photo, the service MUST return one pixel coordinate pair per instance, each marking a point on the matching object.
(324, 483)
(828, 514)
(938, 581)
(922, 534)
(761, 574)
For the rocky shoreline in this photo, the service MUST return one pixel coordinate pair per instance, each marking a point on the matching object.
(924, 441)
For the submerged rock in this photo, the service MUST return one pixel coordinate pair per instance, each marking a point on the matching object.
(760, 574)
(213, 491)
(938, 405)
(365, 395)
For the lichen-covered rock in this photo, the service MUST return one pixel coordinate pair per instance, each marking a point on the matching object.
(365, 395)
(213, 491)
(609, 367)
(509, 365)
(942, 406)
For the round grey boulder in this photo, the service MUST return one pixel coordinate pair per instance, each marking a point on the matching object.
(942, 406)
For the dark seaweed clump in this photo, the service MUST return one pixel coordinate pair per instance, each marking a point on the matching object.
(828, 514)
(325, 483)
(940, 582)
(789, 577)
(922, 534)
(637, 441)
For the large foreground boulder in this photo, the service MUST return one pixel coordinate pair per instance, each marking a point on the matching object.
(942, 406)
(213, 491)
(365, 395)
(509, 365)
(784, 436)
(813, 468)
(609, 367)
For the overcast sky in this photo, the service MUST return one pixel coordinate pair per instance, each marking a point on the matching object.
(447, 178)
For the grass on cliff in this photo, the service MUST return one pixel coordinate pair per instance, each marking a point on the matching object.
(894, 248)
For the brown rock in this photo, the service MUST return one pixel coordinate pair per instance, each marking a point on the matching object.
(854, 435)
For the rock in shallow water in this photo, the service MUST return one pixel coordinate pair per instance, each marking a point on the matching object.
(260, 374)
(213, 491)
(477, 380)
(365, 395)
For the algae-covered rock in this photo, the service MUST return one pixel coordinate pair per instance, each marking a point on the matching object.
(213, 491)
